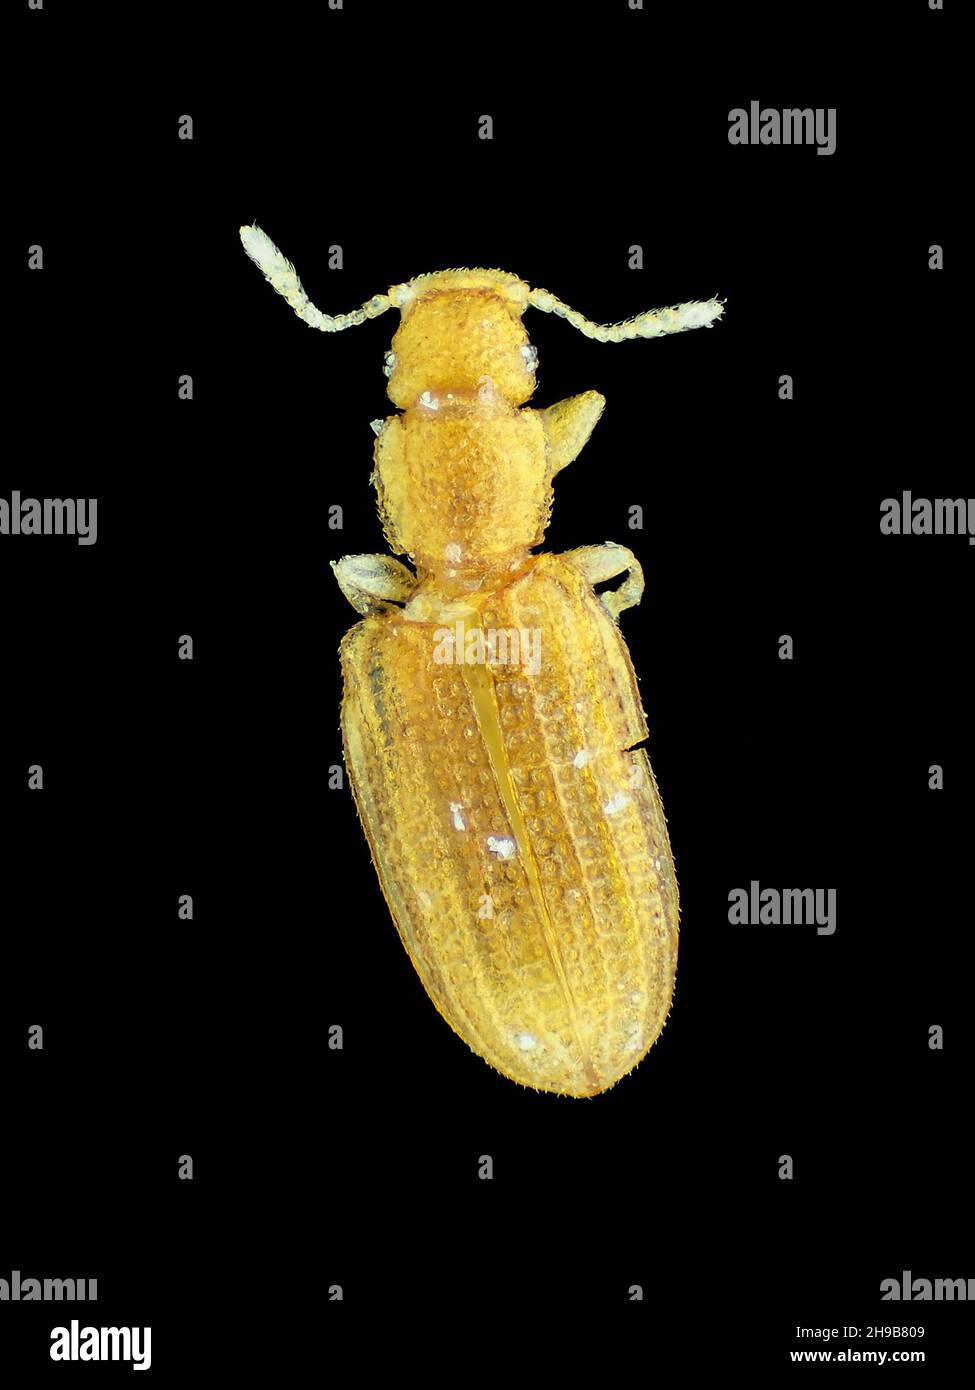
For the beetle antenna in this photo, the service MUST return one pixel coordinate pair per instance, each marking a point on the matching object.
(282, 276)
(652, 324)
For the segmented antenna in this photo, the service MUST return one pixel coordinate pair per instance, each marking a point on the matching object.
(652, 324)
(282, 276)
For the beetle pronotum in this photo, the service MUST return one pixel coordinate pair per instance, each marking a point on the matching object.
(490, 715)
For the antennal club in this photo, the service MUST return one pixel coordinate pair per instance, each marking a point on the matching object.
(282, 276)
(652, 324)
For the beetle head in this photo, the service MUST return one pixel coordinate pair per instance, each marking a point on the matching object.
(461, 333)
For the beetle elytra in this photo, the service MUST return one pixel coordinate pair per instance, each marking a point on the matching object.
(490, 714)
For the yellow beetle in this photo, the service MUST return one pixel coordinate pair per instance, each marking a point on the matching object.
(490, 715)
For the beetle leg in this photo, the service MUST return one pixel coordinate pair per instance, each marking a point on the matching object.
(374, 583)
(568, 424)
(600, 562)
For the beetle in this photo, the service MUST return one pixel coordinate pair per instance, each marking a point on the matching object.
(491, 720)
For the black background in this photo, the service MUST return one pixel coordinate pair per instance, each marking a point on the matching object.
(162, 777)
